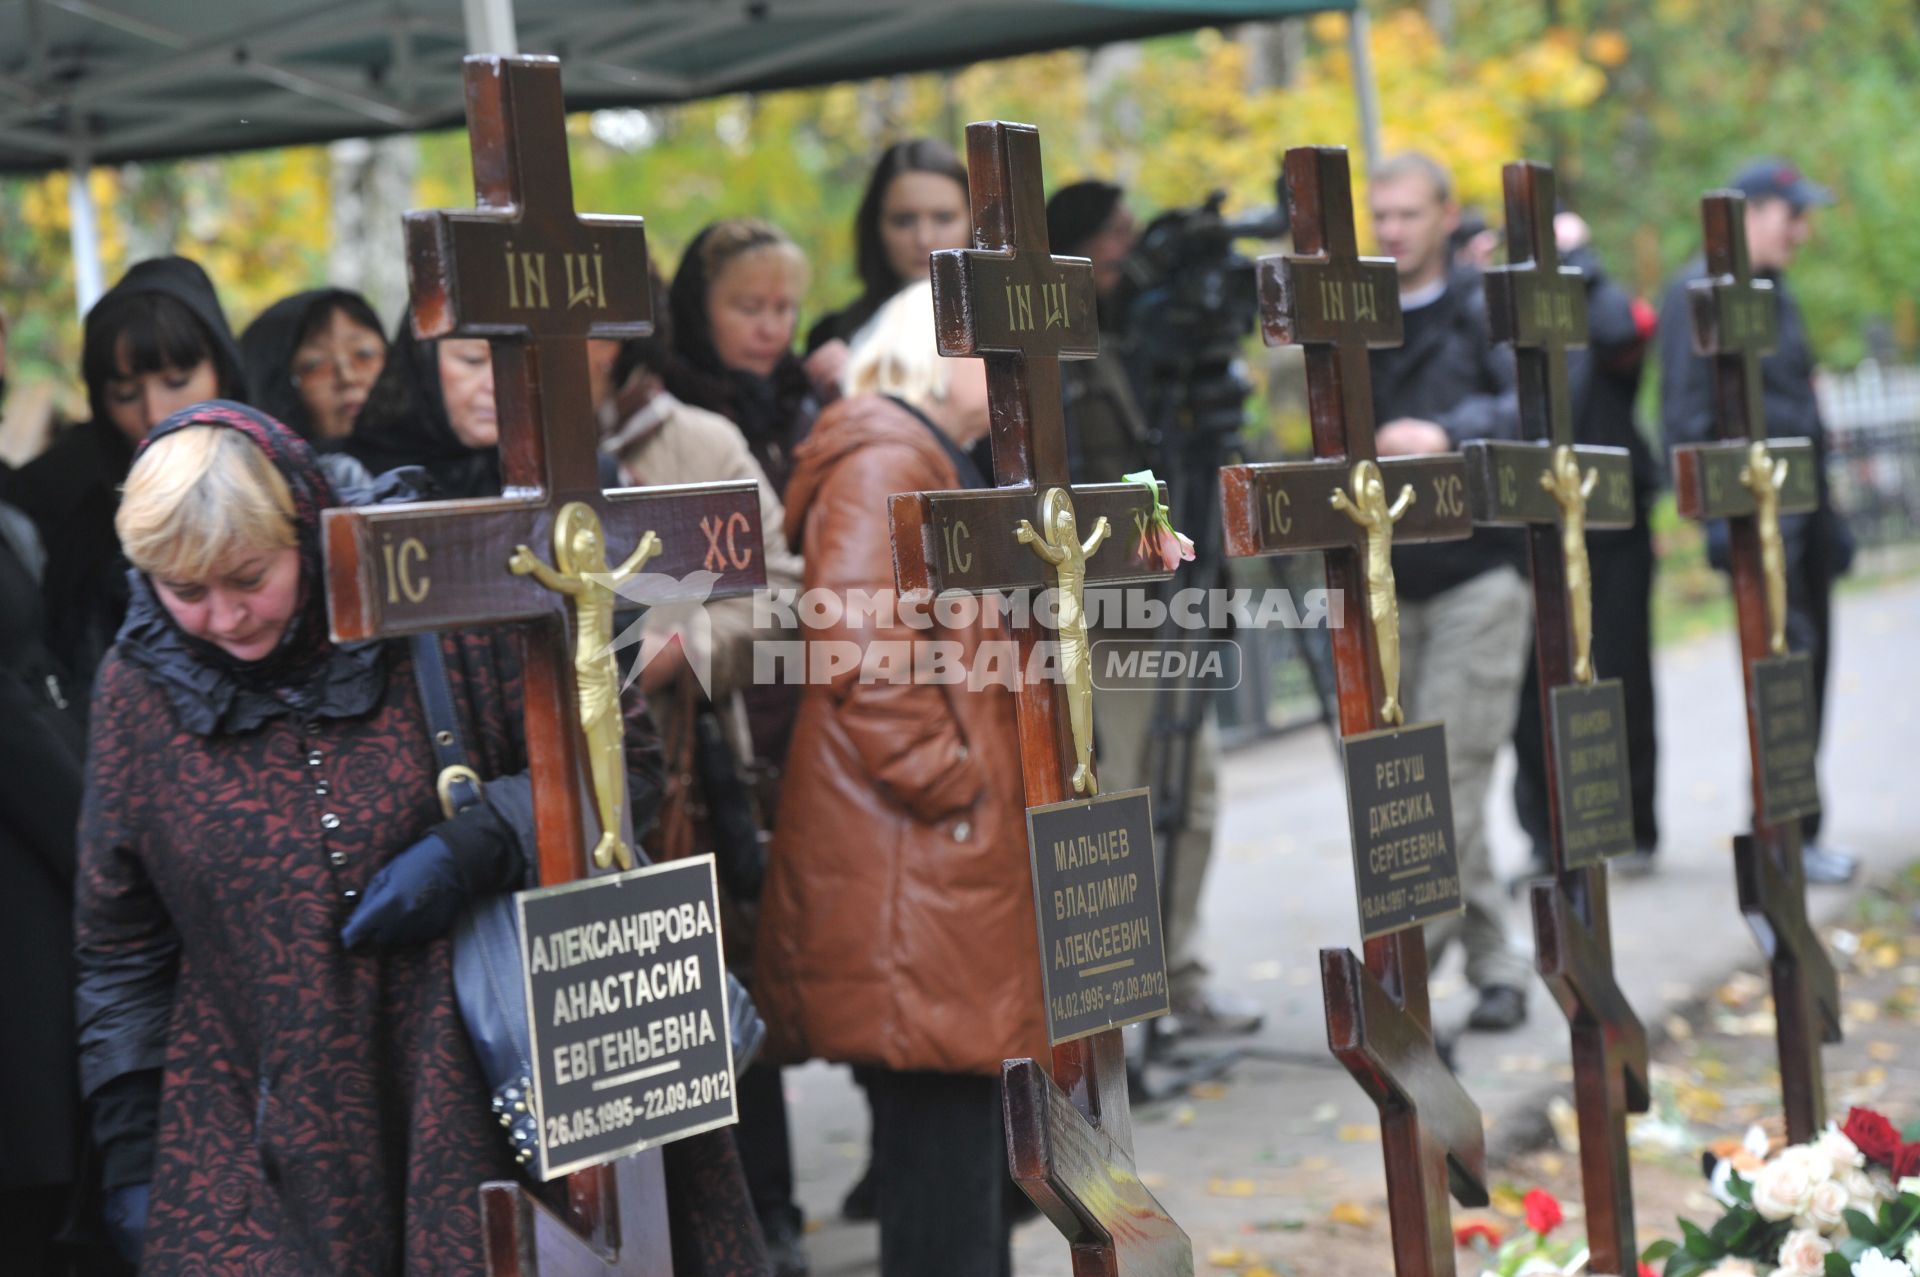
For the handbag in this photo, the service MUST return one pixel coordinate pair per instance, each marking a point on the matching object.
(489, 974)
(488, 979)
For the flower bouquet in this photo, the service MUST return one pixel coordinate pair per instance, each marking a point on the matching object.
(1845, 1205)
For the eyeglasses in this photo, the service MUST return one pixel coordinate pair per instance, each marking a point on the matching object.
(359, 362)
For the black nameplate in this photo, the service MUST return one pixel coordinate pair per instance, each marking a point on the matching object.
(1783, 715)
(1097, 896)
(627, 1000)
(1503, 483)
(1706, 478)
(1590, 767)
(1405, 869)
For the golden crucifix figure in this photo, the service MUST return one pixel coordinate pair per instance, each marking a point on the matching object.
(1765, 476)
(1062, 548)
(1570, 491)
(581, 573)
(1367, 506)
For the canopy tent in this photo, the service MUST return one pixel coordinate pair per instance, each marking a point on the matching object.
(87, 82)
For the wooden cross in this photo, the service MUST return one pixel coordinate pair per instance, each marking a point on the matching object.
(1555, 490)
(1070, 1137)
(1750, 481)
(523, 271)
(1339, 305)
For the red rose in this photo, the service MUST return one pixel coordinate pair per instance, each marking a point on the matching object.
(1543, 1212)
(1907, 1161)
(1873, 1135)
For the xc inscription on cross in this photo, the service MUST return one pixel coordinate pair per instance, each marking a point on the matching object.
(1069, 1136)
(1750, 481)
(1556, 489)
(523, 271)
(1379, 1025)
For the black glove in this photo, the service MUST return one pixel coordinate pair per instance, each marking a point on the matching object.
(125, 1215)
(413, 900)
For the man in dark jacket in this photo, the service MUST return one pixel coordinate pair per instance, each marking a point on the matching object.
(1465, 610)
(1604, 382)
(1819, 547)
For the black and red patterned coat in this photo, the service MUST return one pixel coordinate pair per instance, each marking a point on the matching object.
(319, 1112)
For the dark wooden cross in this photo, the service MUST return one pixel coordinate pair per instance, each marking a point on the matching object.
(1339, 305)
(1540, 307)
(1735, 322)
(1069, 1136)
(525, 272)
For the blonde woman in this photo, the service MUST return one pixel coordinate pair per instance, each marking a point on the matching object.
(897, 924)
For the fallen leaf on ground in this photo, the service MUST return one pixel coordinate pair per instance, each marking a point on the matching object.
(1359, 1133)
(1350, 1213)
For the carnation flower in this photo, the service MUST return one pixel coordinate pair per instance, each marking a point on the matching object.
(1468, 1232)
(1159, 545)
(1782, 1188)
(1875, 1264)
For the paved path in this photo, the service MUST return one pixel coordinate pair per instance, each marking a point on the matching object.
(1289, 1136)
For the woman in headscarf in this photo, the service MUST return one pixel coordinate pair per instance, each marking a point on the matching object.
(735, 304)
(156, 342)
(311, 360)
(280, 1079)
(433, 407)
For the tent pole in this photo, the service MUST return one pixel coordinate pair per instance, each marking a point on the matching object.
(490, 27)
(1366, 89)
(82, 225)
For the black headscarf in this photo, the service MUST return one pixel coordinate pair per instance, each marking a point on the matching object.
(306, 673)
(774, 413)
(181, 279)
(268, 345)
(405, 423)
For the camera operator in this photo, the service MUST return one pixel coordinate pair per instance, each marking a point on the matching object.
(1107, 437)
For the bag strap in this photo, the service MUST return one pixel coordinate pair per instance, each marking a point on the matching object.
(458, 784)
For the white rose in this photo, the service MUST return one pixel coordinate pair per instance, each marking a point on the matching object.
(1781, 1189)
(1824, 1206)
(1913, 1250)
(1803, 1254)
(1841, 1152)
(1874, 1264)
(1819, 1165)
(1862, 1194)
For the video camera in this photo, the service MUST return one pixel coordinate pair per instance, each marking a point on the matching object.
(1186, 301)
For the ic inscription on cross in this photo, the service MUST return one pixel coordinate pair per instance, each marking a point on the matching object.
(1556, 489)
(1751, 481)
(1353, 506)
(1069, 1135)
(525, 272)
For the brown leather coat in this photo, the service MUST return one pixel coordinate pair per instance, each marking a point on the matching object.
(897, 925)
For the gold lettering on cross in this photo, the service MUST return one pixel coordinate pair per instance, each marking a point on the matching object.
(1279, 511)
(1053, 298)
(1333, 302)
(402, 562)
(1363, 302)
(586, 279)
(1020, 308)
(526, 279)
(958, 541)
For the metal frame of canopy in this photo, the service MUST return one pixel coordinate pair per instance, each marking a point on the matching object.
(95, 83)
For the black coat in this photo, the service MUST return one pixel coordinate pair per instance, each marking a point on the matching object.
(41, 747)
(1603, 378)
(1787, 401)
(1449, 372)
